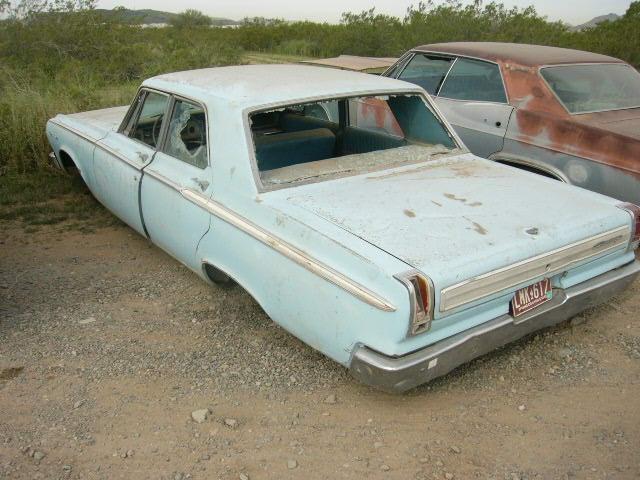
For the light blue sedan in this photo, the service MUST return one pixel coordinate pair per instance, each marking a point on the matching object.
(375, 237)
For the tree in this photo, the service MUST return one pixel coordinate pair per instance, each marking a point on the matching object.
(191, 19)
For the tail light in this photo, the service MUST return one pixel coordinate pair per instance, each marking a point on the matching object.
(421, 301)
(634, 211)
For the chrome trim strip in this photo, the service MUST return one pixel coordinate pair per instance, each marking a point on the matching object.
(444, 79)
(289, 251)
(119, 156)
(73, 130)
(547, 264)
(457, 56)
(161, 178)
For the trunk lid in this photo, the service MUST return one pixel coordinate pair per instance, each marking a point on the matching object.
(458, 217)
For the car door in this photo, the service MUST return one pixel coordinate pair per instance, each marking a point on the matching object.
(179, 171)
(120, 157)
(472, 97)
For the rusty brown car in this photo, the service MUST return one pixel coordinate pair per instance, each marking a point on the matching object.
(567, 114)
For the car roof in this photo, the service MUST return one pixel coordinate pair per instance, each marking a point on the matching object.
(519, 53)
(259, 85)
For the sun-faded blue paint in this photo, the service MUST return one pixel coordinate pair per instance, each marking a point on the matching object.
(467, 215)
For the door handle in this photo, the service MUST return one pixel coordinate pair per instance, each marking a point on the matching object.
(203, 184)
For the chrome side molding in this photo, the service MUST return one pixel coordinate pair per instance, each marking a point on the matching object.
(298, 256)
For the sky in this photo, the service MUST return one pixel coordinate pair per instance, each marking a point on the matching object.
(571, 11)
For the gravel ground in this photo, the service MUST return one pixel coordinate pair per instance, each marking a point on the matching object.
(117, 362)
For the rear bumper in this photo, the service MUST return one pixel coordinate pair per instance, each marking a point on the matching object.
(399, 374)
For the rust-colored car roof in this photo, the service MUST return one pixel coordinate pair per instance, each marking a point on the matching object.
(522, 54)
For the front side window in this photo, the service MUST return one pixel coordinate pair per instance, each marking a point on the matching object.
(356, 135)
(474, 80)
(187, 134)
(147, 124)
(594, 88)
(427, 71)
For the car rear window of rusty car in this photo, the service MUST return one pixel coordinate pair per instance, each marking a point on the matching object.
(595, 87)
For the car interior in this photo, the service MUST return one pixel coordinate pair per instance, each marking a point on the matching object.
(301, 134)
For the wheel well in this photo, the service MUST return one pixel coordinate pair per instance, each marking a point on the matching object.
(68, 164)
(532, 169)
(217, 276)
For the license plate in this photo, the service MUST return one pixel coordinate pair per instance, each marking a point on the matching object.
(528, 298)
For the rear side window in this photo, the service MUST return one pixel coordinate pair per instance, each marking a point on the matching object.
(594, 88)
(145, 126)
(187, 134)
(474, 80)
(427, 71)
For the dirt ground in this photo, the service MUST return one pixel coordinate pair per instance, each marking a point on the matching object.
(107, 346)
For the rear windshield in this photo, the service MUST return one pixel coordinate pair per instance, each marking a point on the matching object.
(323, 139)
(594, 88)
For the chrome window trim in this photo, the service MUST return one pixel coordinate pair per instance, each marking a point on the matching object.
(146, 91)
(553, 92)
(398, 63)
(163, 136)
(545, 264)
(414, 54)
(133, 105)
(292, 253)
(444, 79)
(504, 87)
(470, 57)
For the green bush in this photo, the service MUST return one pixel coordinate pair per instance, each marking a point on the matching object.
(60, 56)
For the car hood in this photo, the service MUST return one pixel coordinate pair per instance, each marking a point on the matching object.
(622, 122)
(457, 217)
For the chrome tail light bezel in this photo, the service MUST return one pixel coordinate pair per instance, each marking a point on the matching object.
(418, 286)
(634, 211)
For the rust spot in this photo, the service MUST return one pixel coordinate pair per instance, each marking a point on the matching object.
(436, 203)
(451, 196)
(11, 372)
(409, 213)
(477, 227)
(541, 120)
(475, 204)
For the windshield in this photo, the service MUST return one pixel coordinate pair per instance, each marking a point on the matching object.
(594, 88)
(338, 137)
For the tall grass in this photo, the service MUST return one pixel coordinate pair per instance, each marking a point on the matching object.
(75, 61)
(25, 108)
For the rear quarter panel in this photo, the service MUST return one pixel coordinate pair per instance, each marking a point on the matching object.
(589, 157)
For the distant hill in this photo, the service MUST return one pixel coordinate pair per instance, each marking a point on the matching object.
(148, 17)
(612, 17)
